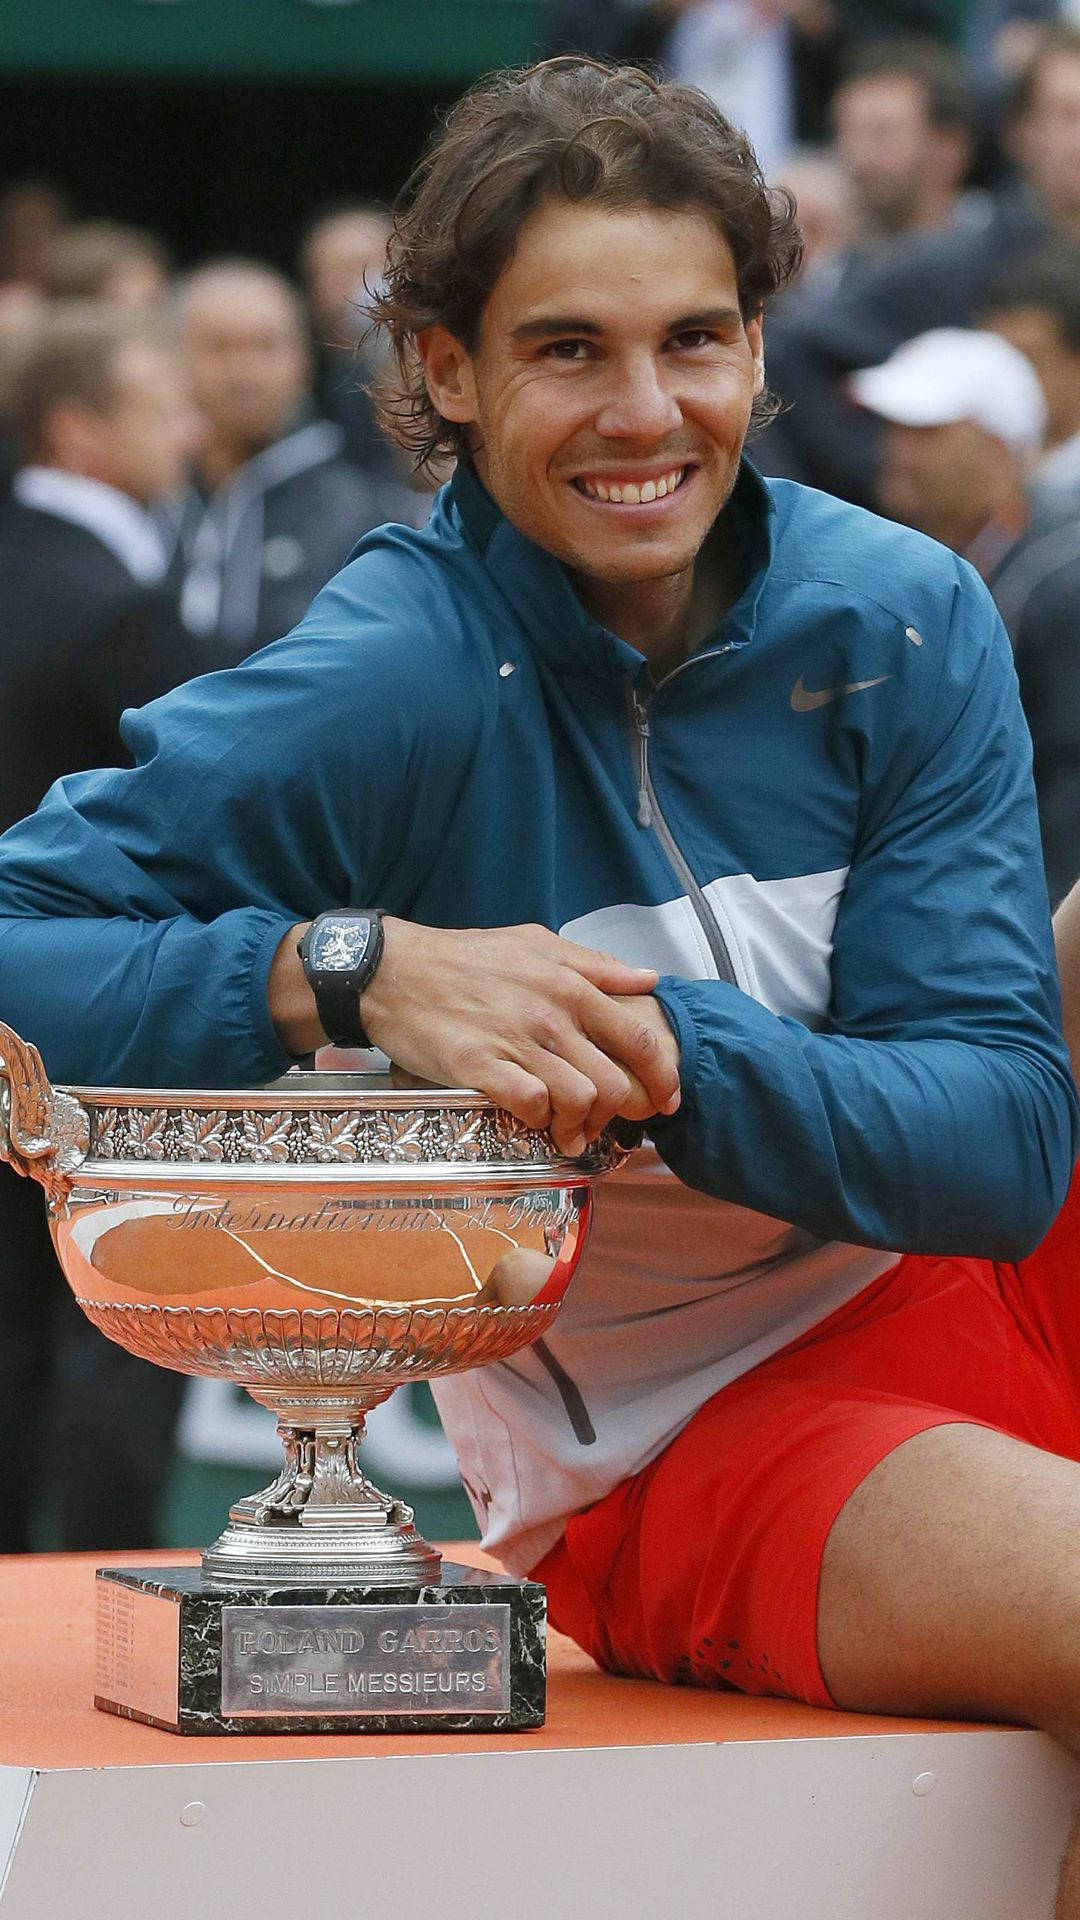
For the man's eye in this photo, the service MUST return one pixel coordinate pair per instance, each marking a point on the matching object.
(565, 350)
(693, 337)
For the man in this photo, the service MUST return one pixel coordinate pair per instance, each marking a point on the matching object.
(926, 281)
(741, 737)
(275, 507)
(103, 260)
(963, 423)
(963, 420)
(1035, 304)
(903, 134)
(341, 257)
(86, 629)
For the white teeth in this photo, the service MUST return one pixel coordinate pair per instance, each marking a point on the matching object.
(630, 494)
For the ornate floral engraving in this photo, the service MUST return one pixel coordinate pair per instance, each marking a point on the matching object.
(270, 1350)
(304, 1136)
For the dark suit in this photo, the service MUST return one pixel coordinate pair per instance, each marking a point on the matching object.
(88, 1426)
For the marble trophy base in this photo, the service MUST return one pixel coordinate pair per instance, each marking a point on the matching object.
(463, 1654)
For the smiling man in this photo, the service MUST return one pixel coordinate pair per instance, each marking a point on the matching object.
(685, 798)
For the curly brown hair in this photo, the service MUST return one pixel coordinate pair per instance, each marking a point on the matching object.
(570, 128)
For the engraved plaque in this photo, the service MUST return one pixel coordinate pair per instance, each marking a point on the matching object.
(137, 1652)
(364, 1659)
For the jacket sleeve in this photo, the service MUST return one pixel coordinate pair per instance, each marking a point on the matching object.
(140, 908)
(936, 1111)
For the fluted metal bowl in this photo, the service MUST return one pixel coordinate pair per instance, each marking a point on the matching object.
(319, 1241)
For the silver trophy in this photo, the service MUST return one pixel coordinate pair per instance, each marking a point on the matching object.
(321, 1242)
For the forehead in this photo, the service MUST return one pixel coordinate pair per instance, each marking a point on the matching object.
(615, 266)
(880, 93)
(240, 305)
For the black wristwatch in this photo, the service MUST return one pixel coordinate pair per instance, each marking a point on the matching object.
(340, 952)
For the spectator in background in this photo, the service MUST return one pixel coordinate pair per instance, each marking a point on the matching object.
(32, 215)
(275, 507)
(341, 256)
(903, 127)
(964, 419)
(1035, 304)
(964, 415)
(929, 280)
(827, 220)
(101, 260)
(86, 629)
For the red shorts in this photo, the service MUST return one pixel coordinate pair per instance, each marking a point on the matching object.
(703, 1568)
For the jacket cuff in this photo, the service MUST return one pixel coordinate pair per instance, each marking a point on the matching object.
(268, 932)
(669, 994)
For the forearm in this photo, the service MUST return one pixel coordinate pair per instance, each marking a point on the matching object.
(174, 1002)
(930, 1145)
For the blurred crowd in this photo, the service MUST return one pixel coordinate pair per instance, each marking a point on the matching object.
(186, 457)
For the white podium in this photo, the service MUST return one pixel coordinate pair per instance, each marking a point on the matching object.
(635, 1802)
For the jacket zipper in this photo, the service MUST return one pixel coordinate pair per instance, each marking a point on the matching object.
(649, 814)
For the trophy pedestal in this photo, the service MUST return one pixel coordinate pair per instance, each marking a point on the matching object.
(463, 1654)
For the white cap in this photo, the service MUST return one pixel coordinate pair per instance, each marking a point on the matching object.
(958, 373)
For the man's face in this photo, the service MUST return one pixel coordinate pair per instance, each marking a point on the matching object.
(1047, 141)
(248, 362)
(1038, 334)
(610, 388)
(340, 255)
(882, 133)
(931, 478)
(148, 433)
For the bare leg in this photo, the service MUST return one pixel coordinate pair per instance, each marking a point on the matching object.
(950, 1586)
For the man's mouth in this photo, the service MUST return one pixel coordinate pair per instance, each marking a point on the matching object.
(631, 493)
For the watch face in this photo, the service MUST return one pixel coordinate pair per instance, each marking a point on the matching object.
(339, 945)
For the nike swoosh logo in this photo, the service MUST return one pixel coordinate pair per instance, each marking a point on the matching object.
(805, 699)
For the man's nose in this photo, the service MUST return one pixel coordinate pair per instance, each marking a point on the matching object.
(640, 403)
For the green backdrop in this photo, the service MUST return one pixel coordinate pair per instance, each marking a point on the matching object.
(421, 40)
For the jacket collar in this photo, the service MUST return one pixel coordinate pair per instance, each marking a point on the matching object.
(538, 586)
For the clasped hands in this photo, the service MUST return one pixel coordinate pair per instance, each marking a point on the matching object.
(563, 1036)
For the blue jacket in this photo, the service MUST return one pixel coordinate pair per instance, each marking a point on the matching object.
(821, 829)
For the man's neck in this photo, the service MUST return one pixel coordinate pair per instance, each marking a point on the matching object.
(219, 459)
(667, 618)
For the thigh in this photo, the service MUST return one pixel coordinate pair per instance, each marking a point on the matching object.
(950, 1583)
(704, 1568)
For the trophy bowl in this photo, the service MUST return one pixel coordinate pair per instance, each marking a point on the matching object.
(319, 1241)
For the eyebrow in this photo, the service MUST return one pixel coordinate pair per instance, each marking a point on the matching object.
(546, 324)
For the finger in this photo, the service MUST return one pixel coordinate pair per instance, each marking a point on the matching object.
(521, 1093)
(617, 1090)
(572, 1095)
(635, 1106)
(619, 1032)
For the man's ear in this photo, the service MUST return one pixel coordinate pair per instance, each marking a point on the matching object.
(448, 371)
(756, 337)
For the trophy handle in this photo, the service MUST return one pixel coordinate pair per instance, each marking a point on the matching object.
(43, 1132)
